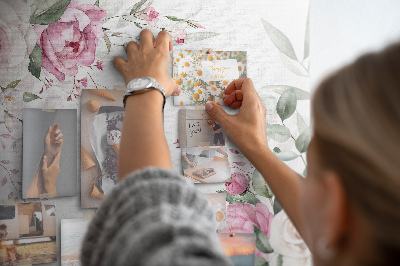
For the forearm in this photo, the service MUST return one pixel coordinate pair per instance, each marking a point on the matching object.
(283, 181)
(143, 141)
(36, 186)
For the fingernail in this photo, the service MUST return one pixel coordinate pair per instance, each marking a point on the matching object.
(209, 106)
(179, 90)
(44, 157)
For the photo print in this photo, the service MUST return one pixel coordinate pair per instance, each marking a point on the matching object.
(240, 248)
(204, 74)
(102, 114)
(218, 201)
(202, 142)
(49, 153)
(72, 234)
(28, 233)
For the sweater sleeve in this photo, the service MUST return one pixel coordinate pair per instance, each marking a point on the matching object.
(153, 217)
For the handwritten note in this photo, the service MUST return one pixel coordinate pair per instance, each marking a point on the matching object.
(219, 70)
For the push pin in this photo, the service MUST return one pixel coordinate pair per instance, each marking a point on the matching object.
(208, 51)
(232, 234)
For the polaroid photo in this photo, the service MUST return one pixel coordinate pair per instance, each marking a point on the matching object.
(73, 232)
(102, 114)
(28, 233)
(218, 201)
(49, 153)
(239, 248)
(204, 74)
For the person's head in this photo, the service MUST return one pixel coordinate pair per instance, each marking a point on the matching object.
(351, 196)
(3, 226)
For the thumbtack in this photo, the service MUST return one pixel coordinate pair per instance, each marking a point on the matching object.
(232, 234)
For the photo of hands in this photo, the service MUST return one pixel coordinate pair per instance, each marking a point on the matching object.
(49, 153)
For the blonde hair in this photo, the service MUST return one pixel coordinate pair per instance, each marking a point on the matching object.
(356, 115)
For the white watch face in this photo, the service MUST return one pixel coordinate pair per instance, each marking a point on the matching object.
(140, 83)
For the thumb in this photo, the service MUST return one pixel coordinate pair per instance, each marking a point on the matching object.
(217, 113)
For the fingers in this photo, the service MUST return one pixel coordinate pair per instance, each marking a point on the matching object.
(119, 63)
(131, 49)
(54, 129)
(44, 163)
(235, 99)
(59, 136)
(147, 40)
(60, 142)
(245, 85)
(164, 41)
(48, 132)
(177, 92)
(217, 113)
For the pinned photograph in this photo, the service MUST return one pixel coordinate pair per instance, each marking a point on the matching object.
(102, 114)
(49, 153)
(239, 247)
(72, 234)
(203, 75)
(28, 233)
(218, 201)
(198, 128)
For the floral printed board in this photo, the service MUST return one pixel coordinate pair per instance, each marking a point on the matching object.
(51, 50)
(204, 74)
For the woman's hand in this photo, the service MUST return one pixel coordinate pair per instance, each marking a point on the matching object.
(247, 129)
(53, 142)
(149, 59)
(50, 174)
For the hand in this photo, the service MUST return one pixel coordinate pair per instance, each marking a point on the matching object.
(50, 174)
(149, 59)
(192, 164)
(53, 142)
(247, 129)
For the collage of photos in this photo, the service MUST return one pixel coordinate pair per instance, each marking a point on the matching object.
(49, 153)
(202, 142)
(204, 74)
(102, 114)
(28, 233)
(218, 201)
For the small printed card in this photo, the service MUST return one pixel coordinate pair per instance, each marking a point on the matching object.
(203, 75)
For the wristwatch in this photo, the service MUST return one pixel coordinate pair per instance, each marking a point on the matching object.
(142, 85)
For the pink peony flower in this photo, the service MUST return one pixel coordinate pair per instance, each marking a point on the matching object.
(84, 82)
(240, 218)
(99, 65)
(72, 40)
(238, 185)
(150, 15)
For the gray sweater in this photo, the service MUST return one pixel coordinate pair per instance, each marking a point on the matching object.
(154, 217)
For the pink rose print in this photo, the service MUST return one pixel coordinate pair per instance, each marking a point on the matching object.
(150, 15)
(179, 35)
(238, 185)
(84, 82)
(72, 40)
(240, 218)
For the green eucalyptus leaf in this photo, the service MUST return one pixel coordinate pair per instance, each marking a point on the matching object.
(246, 197)
(303, 140)
(277, 207)
(27, 97)
(259, 261)
(35, 61)
(137, 6)
(286, 104)
(49, 12)
(278, 132)
(286, 155)
(173, 18)
(279, 40)
(277, 150)
(97, 3)
(262, 241)
(108, 43)
(305, 172)
(300, 94)
(260, 186)
(301, 124)
(137, 25)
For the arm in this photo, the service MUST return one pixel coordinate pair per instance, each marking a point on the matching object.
(188, 162)
(143, 141)
(36, 186)
(205, 122)
(251, 122)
